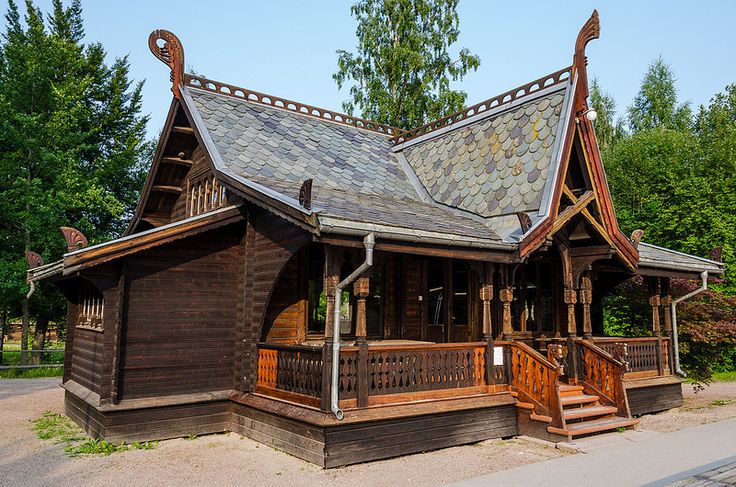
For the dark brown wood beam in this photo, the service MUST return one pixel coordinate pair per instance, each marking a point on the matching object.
(183, 130)
(167, 189)
(177, 161)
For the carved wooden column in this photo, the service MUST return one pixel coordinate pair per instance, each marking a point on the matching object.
(506, 297)
(361, 288)
(666, 302)
(486, 295)
(655, 302)
(570, 297)
(586, 298)
(655, 289)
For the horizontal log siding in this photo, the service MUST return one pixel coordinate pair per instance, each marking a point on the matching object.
(655, 398)
(86, 366)
(271, 242)
(179, 336)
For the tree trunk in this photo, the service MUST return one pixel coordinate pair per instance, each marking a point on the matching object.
(3, 323)
(42, 324)
(24, 332)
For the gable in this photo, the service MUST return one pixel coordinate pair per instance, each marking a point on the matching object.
(498, 165)
(181, 182)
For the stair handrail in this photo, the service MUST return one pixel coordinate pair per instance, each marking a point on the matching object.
(545, 395)
(591, 375)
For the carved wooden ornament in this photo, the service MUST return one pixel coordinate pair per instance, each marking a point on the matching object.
(305, 195)
(34, 259)
(636, 237)
(75, 239)
(717, 254)
(525, 221)
(591, 30)
(171, 53)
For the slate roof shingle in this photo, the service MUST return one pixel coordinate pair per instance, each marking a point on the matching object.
(496, 166)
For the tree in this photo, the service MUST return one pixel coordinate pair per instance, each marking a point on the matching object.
(402, 69)
(655, 106)
(607, 130)
(72, 146)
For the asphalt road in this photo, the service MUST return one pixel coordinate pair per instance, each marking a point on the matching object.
(650, 459)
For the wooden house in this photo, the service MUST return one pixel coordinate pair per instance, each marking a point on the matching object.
(348, 291)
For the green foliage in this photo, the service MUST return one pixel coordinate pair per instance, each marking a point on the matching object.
(608, 130)
(72, 144)
(401, 72)
(656, 106)
(674, 176)
(57, 428)
(60, 429)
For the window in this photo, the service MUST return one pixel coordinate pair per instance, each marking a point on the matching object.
(459, 293)
(373, 323)
(436, 284)
(204, 194)
(91, 307)
(317, 300)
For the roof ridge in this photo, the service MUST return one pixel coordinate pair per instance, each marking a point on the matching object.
(522, 91)
(256, 97)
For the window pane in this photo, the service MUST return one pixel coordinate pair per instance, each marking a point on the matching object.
(373, 303)
(317, 299)
(459, 293)
(435, 280)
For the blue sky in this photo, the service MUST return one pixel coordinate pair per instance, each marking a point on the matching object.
(288, 48)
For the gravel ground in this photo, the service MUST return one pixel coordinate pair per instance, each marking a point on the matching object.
(219, 459)
(716, 403)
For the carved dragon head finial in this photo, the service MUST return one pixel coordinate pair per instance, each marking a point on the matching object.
(75, 239)
(34, 259)
(171, 54)
(590, 30)
(717, 254)
(636, 236)
(525, 221)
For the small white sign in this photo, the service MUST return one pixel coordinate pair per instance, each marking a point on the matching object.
(497, 355)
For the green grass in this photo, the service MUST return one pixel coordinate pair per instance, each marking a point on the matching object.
(60, 429)
(724, 376)
(31, 373)
(11, 357)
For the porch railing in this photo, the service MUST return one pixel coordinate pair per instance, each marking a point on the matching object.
(291, 372)
(381, 374)
(600, 371)
(647, 356)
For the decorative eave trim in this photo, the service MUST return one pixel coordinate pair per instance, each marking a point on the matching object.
(523, 91)
(114, 249)
(271, 101)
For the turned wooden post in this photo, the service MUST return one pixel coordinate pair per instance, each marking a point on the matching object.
(570, 297)
(486, 295)
(361, 288)
(586, 299)
(655, 302)
(506, 296)
(666, 302)
(326, 371)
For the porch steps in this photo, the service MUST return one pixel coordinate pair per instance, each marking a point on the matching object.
(583, 414)
(578, 399)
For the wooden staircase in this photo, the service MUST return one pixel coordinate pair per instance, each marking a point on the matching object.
(587, 398)
(583, 414)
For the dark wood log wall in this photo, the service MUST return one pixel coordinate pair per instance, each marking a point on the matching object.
(270, 242)
(182, 314)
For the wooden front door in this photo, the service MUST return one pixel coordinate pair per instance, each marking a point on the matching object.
(448, 301)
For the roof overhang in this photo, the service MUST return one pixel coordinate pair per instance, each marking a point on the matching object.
(87, 257)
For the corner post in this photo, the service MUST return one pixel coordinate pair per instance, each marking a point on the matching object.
(506, 296)
(586, 299)
(486, 295)
(655, 290)
(666, 302)
(361, 289)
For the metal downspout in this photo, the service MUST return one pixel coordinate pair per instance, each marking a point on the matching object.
(673, 307)
(369, 241)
